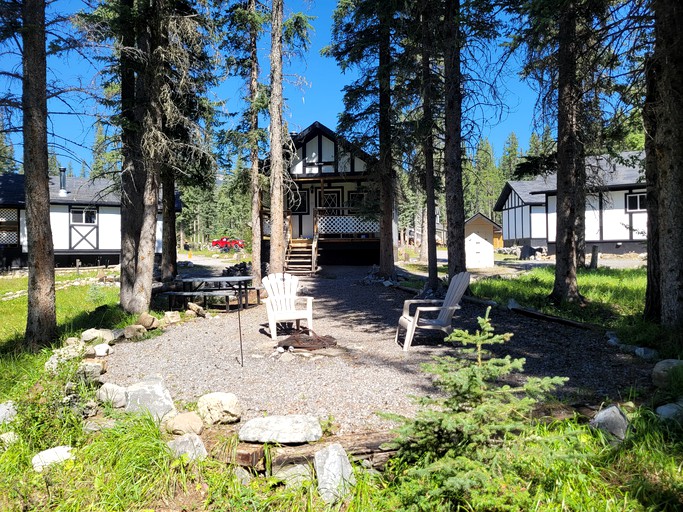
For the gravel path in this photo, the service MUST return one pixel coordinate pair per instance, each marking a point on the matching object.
(367, 373)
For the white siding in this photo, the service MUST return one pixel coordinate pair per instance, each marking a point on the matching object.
(59, 223)
(312, 151)
(23, 236)
(592, 218)
(526, 222)
(639, 226)
(327, 154)
(538, 222)
(110, 227)
(615, 220)
(552, 218)
(359, 165)
(159, 234)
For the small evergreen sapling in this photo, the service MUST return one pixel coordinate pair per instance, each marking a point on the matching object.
(454, 438)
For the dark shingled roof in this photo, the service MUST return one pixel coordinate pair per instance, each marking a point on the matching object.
(81, 191)
(602, 172)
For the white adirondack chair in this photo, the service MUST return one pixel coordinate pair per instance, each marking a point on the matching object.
(282, 300)
(445, 309)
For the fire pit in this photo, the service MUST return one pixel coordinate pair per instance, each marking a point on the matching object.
(308, 340)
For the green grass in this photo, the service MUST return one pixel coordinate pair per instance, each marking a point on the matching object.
(615, 299)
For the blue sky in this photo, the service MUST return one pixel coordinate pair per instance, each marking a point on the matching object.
(320, 99)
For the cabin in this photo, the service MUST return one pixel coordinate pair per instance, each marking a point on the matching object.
(481, 237)
(332, 214)
(85, 217)
(616, 207)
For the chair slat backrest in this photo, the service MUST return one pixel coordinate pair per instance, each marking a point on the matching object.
(281, 288)
(456, 289)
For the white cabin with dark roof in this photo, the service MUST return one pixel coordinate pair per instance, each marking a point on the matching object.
(332, 210)
(616, 207)
(85, 217)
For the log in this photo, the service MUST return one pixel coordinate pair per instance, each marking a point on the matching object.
(375, 447)
(550, 318)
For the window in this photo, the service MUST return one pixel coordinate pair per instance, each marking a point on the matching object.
(298, 202)
(9, 227)
(636, 202)
(83, 216)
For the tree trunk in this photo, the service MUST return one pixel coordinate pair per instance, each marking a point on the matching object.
(565, 287)
(428, 234)
(669, 154)
(139, 177)
(455, 206)
(41, 321)
(386, 163)
(653, 304)
(253, 153)
(424, 255)
(580, 205)
(169, 252)
(277, 217)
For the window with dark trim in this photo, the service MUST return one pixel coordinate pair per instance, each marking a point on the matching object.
(83, 216)
(298, 202)
(636, 202)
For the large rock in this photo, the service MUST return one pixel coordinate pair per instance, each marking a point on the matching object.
(291, 429)
(197, 309)
(103, 350)
(612, 420)
(335, 474)
(190, 445)
(61, 355)
(219, 407)
(7, 412)
(294, 475)
(112, 393)
(150, 395)
(185, 423)
(90, 371)
(148, 321)
(671, 412)
(52, 456)
(661, 371)
(172, 317)
(7, 439)
(105, 335)
(130, 332)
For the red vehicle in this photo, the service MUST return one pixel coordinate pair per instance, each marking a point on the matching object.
(228, 243)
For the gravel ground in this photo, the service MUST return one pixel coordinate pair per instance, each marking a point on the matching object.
(367, 372)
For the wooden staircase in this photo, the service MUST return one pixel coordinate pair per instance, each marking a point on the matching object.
(299, 257)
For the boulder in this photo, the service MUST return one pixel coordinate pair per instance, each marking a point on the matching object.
(613, 421)
(102, 350)
(661, 371)
(172, 317)
(196, 308)
(130, 332)
(7, 439)
(106, 335)
(648, 354)
(8, 412)
(290, 429)
(185, 423)
(52, 456)
(118, 334)
(148, 321)
(294, 475)
(242, 475)
(90, 371)
(61, 355)
(190, 314)
(112, 393)
(150, 395)
(219, 407)
(72, 341)
(335, 474)
(671, 412)
(190, 445)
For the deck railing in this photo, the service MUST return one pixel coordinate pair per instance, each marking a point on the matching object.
(343, 221)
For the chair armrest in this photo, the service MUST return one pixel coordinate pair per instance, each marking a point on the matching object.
(412, 302)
